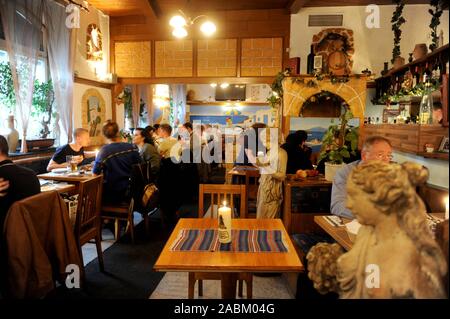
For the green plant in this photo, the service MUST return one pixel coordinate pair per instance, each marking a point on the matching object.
(339, 141)
(43, 98)
(127, 102)
(435, 21)
(275, 98)
(7, 96)
(397, 20)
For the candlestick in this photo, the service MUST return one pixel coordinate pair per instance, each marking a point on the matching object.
(446, 208)
(224, 215)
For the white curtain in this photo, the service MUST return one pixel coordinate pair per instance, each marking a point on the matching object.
(60, 57)
(178, 92)
(22, 25)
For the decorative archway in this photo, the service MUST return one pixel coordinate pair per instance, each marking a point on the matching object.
(296, 91)
(93, 114)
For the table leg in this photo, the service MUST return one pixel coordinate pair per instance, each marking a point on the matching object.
(228, 285)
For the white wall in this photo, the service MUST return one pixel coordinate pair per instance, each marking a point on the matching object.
(372, 46)
(92, 70)
(89, 69)
(79, 90)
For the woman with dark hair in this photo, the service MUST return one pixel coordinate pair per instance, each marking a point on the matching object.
(298, 153)
(147, 150)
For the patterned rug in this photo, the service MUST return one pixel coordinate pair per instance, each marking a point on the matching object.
(174, 285)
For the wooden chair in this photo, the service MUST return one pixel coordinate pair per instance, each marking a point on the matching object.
(87, 223)
(219, 194)
(122, 211)
(251, 194)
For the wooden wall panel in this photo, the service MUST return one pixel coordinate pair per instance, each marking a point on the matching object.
(261, 56)
(173, 58)
(216, 57)
(132, 59)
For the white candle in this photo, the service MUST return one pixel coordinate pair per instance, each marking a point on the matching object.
(446, 208)
(224, 216)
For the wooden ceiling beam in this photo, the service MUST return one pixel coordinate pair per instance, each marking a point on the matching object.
(294, 6)
(155, 8)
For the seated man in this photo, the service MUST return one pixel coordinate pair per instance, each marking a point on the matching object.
(374, 148)
(115, 160)
(80, 141)
(166, 141)
(16, 182)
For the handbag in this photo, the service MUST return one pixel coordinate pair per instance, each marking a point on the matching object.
(150, 193)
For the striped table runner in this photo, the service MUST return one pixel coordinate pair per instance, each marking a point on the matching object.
(242, 240)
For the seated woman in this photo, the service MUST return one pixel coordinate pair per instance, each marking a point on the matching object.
(115, 161)
(394, 254)
(147, 150)
(298, 153)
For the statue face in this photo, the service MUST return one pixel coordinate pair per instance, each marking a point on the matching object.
(361, 206)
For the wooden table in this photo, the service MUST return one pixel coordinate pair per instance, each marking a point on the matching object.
(297, 221)
(339, 233)
(239, 171)
(229, 264)
(68, 178)
(60, 187)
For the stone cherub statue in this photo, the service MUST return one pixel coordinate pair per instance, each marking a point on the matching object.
(394, 254)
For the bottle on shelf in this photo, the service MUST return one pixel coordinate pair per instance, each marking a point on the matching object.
(310, 61)
(426, 105)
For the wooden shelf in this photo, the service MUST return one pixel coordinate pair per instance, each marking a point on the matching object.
(409, 138)
(435, 155)
(426, 58)
(224, 103)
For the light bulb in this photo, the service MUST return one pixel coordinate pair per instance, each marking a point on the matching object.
(224, 85)
(179, 32)
(177, 21)
(213, 85)
(208, 28)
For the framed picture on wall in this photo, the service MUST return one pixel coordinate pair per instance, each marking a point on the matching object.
(444, 145)
(318, 62)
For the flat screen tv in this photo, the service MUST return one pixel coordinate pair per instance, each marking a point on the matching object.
(234, 92)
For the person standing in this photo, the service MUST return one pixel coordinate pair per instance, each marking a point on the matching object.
(297, 151)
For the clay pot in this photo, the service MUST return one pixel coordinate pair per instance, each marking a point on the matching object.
(12, 135)
(420, 50)
(398, 62)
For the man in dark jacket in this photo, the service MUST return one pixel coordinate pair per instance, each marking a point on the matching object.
(22, 182)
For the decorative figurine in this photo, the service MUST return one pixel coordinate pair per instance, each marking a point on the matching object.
(394, 254)
(273, 172)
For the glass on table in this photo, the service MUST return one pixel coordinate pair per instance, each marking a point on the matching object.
(72, 163)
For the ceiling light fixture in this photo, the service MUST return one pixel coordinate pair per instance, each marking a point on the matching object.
(181, 22)
(224, 85)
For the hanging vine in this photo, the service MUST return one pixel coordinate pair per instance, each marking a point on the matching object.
(435, 21)
(397, 20)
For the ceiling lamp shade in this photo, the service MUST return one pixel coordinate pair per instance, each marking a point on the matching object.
(181, 22)
(177, 22)
(179, 33)
(208, 28)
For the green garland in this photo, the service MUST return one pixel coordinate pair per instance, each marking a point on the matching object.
(418, 90)
(435, 21)
(397, 20)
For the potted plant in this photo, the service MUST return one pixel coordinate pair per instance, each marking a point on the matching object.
(338, 142)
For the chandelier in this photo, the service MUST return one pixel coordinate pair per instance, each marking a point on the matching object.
(181, 22)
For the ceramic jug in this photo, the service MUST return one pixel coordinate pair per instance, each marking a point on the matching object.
(12, 135)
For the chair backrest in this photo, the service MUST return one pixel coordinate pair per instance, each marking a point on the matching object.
(251, 190)
(89, 204)
(218, 194)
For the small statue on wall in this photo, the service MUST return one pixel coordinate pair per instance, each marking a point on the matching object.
(394, 254)
(94, 50)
